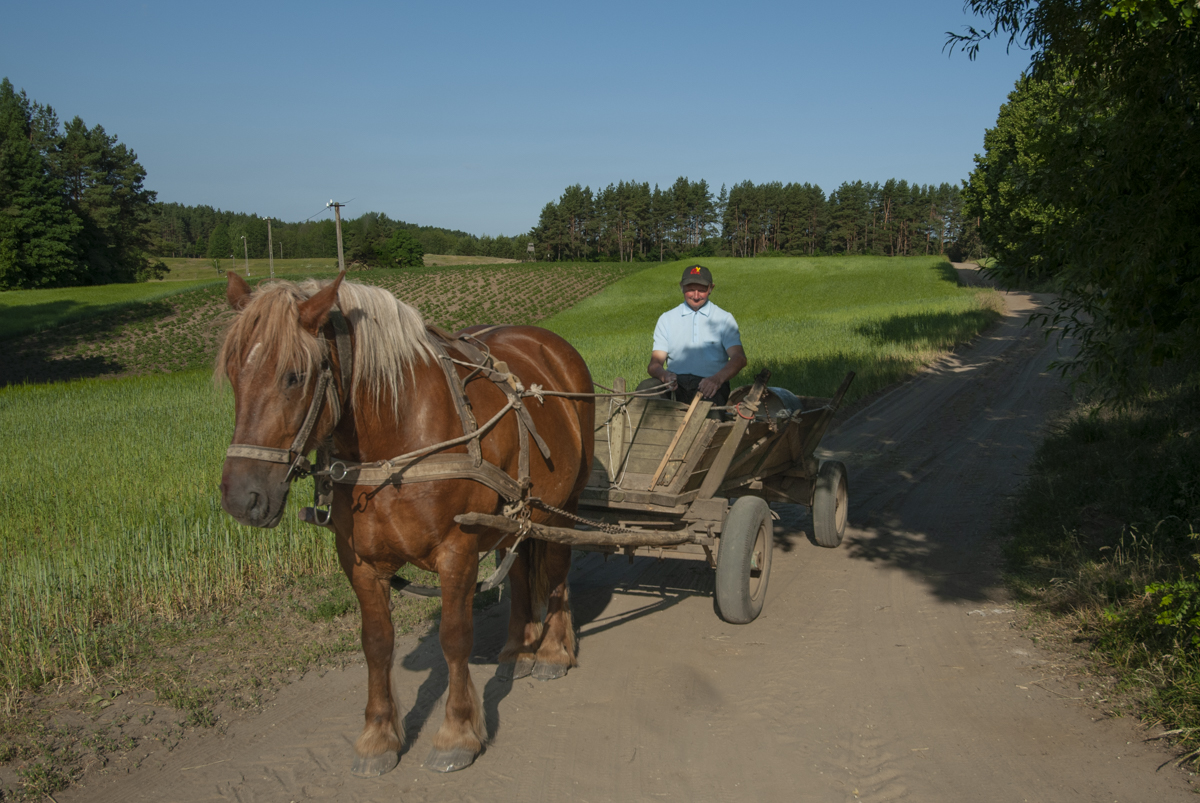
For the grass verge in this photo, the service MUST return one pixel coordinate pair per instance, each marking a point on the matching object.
(1105, 546)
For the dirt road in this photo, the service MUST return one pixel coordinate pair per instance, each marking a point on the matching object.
(886, 669)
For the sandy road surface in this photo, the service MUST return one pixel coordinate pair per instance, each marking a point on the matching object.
(886, 669)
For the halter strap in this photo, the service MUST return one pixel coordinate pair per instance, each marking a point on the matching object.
(295, 453)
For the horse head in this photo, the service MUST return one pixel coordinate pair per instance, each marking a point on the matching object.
(271, 357)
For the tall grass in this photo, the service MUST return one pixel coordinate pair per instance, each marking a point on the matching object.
(808, 320)
(26, 311)
(111, 516)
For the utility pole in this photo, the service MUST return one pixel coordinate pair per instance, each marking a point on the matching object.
(270, 249)
(337, 215)
(246, 252)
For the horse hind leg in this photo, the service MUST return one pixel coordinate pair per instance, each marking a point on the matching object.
(556, 653)
(518, 656)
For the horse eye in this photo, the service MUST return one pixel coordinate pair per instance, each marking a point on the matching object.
(294, 379)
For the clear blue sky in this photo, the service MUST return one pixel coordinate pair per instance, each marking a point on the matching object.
(473, 115)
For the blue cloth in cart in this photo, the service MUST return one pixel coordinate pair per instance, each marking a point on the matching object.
(789, 399)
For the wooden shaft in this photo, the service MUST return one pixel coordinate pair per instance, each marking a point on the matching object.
(569, 536)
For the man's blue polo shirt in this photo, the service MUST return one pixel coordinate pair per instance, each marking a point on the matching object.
(696, 340)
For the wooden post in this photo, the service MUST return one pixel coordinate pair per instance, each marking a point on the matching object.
(270, 249)
(337, 216)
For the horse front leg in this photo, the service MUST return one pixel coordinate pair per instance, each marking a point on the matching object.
(524, 628)
(460, 738)
(378, 747)
(556, 654)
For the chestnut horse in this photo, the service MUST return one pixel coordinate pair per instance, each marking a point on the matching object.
(399, 400)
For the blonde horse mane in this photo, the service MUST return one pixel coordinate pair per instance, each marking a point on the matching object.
(389, 336)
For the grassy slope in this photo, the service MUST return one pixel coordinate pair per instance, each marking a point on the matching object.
(182, 331)
(808, 320)
(25, 311)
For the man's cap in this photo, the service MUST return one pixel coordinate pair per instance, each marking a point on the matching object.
(696, 274)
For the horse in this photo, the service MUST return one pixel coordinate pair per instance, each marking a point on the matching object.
(385, 393)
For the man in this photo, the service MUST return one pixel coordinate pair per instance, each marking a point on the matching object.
(699, 341)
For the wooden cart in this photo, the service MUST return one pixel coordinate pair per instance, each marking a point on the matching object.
(664, 473)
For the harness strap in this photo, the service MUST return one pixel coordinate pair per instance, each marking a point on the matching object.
(267, 453)
(322, 486)
(427, 469)
(462, 404)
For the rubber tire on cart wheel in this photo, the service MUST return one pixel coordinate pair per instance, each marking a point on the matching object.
(744, 560)
(829, 504)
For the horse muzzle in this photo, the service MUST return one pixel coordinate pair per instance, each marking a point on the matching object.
(255, 498)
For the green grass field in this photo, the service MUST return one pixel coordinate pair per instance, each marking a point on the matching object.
(807, 320)
(26, 311)
(111, 517)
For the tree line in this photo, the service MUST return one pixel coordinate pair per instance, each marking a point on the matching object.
(1088, 180)
(73, 208)
(629, 221)
(372, 238)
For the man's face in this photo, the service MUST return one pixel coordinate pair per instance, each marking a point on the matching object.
(696, 295)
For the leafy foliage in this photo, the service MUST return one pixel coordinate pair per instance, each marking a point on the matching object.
(404, 250)
(1119, 167)
(1007, 189)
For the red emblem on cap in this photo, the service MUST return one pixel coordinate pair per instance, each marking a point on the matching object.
(696, 269)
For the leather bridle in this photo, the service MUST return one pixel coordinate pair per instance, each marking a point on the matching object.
(295, 456)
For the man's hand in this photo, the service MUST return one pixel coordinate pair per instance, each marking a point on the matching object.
(658, 370)
(709, 386)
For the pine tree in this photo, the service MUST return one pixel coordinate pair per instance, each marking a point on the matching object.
(37, 230)
(103, 182)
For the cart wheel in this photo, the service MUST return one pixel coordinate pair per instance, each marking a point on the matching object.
(744, 560)
(829, 504)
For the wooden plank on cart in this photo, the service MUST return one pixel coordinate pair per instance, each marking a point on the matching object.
(669, 454)
(716, 472)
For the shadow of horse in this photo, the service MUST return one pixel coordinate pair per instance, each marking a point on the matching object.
(642, 587)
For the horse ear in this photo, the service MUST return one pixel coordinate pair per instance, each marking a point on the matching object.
(314, 312)
(237, 292)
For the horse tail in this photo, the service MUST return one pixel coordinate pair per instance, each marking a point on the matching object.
(545, 576)
(539, 580)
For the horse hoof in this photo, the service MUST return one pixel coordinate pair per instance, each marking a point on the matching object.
(521, 668)
(449, 760)
(542, 671)
(374, 766)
